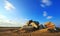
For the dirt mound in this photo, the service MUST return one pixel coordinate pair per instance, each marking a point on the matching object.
(42, 32)
(36, 33)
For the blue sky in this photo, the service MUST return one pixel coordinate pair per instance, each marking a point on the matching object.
(17, 12)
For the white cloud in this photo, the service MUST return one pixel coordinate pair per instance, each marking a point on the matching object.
(6, 22)
(3, 19)
(49, 17)
(44, 13)
(2, 16)
(20, 21)
(42, 5)
(46, 3)
(8, 6)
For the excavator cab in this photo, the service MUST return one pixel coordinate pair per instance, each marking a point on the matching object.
(31, 26)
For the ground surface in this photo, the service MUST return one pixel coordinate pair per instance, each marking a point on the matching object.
(10, 32)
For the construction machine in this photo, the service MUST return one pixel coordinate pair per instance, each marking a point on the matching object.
(30, 26)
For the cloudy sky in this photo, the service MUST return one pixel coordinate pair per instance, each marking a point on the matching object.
(15, 13)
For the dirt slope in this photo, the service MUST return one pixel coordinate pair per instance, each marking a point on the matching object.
(36, 33)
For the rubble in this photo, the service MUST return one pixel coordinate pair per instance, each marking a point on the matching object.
(34, 26)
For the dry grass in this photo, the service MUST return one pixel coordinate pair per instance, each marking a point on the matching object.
(37, 33)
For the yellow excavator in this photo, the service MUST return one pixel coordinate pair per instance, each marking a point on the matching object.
(30, 26)
(51, 27)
